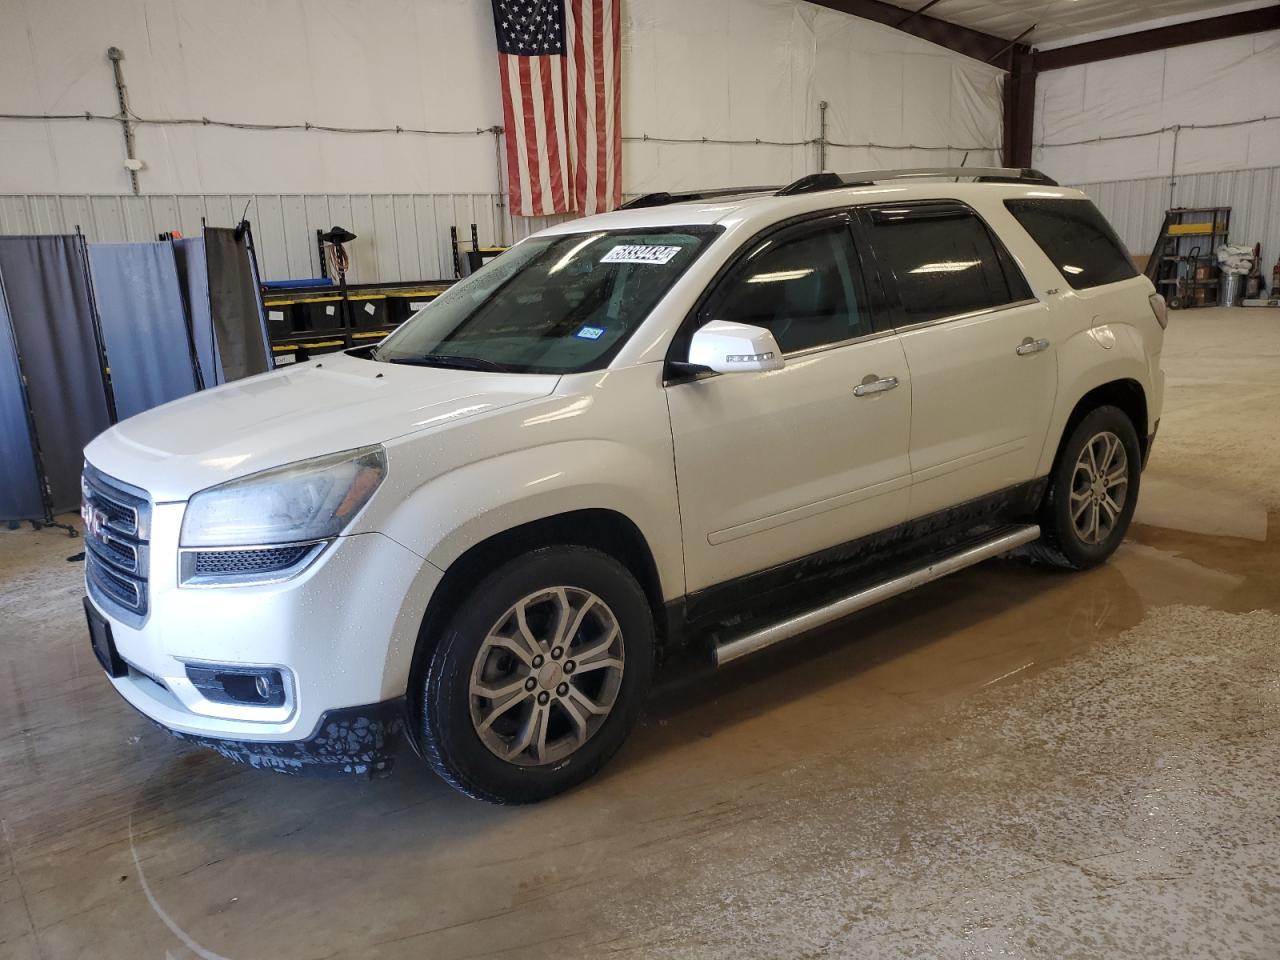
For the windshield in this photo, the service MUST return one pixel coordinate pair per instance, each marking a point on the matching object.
(558, 304)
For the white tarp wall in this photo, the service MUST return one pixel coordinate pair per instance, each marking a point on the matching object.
(1108, 126)
(735, 71)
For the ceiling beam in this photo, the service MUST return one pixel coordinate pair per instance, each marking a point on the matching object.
(1161, 38)
(972, 43)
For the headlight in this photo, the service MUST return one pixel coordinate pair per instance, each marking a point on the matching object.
(305, 501)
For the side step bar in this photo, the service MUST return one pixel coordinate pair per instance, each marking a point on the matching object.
(801, 623)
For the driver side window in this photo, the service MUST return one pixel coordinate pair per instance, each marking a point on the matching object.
(805, 288)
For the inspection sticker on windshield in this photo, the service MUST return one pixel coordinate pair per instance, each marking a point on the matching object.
(639, 253)
(590, 333)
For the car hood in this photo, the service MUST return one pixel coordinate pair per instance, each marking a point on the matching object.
(335, 403)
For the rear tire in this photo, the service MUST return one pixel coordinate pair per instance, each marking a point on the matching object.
(1092, 493)
(562, 637)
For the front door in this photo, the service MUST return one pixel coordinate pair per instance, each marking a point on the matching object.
(774, 466)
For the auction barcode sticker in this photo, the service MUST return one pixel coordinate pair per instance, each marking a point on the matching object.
(639, 253)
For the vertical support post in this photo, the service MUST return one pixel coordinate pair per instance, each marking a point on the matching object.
(822, 135)
(1173, 168)
(1019, 107)
(501, 204)
(116, 55)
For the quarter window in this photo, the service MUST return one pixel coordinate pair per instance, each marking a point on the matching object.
(805, 288)
(943, 261)
(1077, 238)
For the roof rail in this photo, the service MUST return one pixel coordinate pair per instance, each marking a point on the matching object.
(662, 198)
(815, 182)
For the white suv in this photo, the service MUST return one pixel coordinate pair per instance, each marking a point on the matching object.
(720, 418)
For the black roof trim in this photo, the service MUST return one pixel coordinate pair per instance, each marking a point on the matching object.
(815, 182)
(663, 198)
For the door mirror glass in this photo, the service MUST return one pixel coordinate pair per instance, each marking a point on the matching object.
(728, 347)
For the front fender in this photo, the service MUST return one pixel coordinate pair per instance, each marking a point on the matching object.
(456, 510)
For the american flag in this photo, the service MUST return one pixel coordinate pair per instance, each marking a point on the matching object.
(559, 63)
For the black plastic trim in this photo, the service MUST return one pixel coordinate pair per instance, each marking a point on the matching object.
(810, 580)
(350, 742)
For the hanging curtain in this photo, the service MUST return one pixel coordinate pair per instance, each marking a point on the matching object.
(46, 282)
(144, 324)
(19, 479)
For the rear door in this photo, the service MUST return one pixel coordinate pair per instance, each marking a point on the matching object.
(979, 347)
(775, 466)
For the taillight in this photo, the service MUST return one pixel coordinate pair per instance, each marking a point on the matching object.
(1160, 309)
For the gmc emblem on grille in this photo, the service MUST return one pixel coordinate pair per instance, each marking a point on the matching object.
(95, 522)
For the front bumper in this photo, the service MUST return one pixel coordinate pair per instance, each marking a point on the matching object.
(343, 631)
(348, 742)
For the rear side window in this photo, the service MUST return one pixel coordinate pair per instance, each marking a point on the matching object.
(1077, 238)
(943, 260)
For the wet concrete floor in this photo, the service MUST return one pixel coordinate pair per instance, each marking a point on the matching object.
(1011, 762)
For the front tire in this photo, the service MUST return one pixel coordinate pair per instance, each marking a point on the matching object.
(1092, 493)
(539, 677)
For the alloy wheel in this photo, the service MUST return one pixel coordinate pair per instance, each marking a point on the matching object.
(1099, 488)
(546, 676)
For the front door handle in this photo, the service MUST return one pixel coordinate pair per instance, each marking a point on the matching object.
(872, 384)
(1031, 346)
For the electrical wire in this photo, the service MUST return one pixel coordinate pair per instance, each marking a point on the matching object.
(241, 125)
(478, 131)
(1157, 131)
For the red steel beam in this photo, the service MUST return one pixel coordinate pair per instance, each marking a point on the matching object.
(971, 43)
(1161, 38)
(1019, 110)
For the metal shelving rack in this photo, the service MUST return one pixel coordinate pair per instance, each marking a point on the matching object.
(1189, 239)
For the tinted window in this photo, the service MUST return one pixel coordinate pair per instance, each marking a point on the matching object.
(804, 287)
(554, 304)
(943, 261)
(1077, 238)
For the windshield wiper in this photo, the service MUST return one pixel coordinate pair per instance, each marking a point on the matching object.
(450, 361)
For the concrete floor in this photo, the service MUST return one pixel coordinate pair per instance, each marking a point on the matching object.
(1010, 762)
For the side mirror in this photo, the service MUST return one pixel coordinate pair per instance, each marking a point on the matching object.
(728, 347)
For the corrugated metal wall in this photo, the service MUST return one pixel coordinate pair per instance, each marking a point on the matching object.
(406, 236)
(400, 236)
(1136, 207)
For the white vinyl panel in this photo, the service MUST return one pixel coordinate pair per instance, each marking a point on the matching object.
(165, 215)
(14, 218)
(444, 220)
(46, 216)
(382, 238)
(319, 217)
(297, 241)
(190, 213)
(76, 212)
(108, 218)
(137, 218)
(410, 267)
(431, 256)
(364, 257)
(1136, 208)
(268, 237)
(217, 210)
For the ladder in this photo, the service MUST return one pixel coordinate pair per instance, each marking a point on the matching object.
(1183, 263)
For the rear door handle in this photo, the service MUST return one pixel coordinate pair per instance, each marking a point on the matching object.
(1031, 346)
(872, 384)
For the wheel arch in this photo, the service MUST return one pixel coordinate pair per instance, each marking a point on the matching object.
(1125, 393)
(606, 530)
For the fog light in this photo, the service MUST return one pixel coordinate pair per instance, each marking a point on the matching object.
(250, 686)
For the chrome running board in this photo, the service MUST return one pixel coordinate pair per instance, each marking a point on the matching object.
(801, 623)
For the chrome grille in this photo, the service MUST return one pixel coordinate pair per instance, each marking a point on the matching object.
(117, 521)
